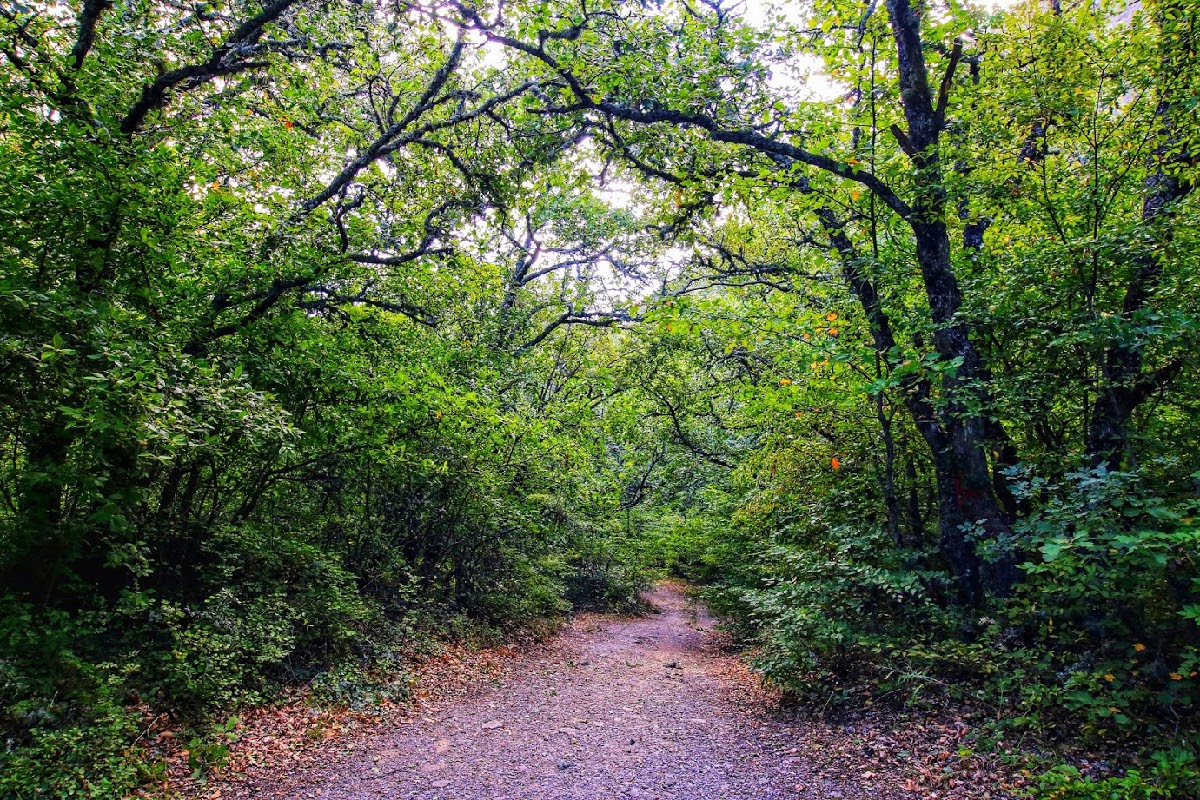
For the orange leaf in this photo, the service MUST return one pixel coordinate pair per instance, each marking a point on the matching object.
(836, 464)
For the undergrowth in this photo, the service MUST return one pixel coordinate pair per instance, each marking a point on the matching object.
(1096, 650)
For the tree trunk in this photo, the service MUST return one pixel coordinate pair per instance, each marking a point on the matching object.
(967, 506)
(955, 440)
(38, 569)
(916, 519)
(1126, 384)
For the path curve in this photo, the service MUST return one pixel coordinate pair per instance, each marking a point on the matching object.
(619, 708)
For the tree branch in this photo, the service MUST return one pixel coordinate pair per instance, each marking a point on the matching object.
(686, 440)
(88, 17)
(595, 319)
(947, 81)
(240, 43)
(783, 153)
(329, 297)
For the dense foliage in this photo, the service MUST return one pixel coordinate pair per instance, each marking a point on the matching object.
(331, 328)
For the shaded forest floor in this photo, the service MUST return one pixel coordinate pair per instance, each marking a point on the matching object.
(612, 707)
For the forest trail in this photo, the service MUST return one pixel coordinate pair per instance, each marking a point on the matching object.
(647, 708)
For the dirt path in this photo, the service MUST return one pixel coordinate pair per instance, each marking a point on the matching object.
(619, 708)
(625, 708)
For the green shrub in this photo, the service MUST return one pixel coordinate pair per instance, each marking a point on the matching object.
(91, 758)
(67, 728)
(1172, 775)
(1101, 635)
(824, 611)
(1105, 623)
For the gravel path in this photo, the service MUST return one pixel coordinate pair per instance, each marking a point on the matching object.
(617, 708)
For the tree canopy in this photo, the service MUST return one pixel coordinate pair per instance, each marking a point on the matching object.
(331, 327)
